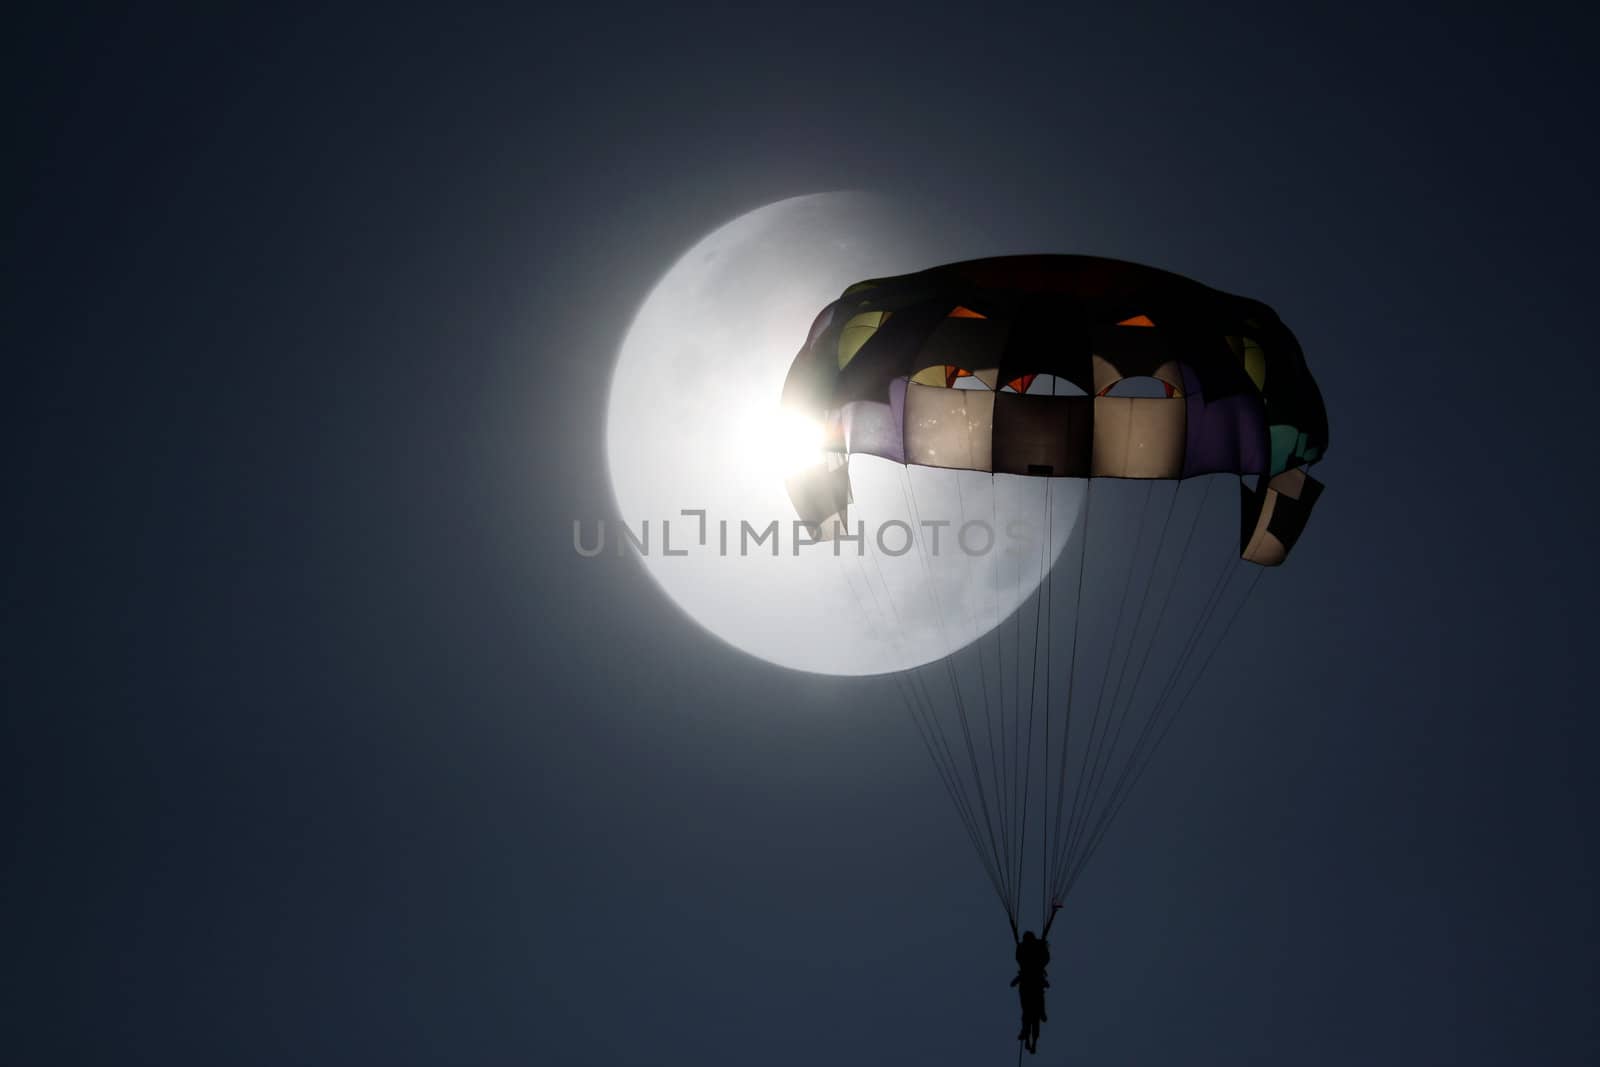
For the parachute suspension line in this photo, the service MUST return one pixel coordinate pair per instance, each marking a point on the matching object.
(1149, 755)
(1143, 747)
(1161, 612)
(997, 766)
(1041, 595)
(924, 717)
(994, 583)
(910, 493)
(1010, 720)
(1116, 719)
(1079, 797)
(1027, 765)
(899, 625)
(1191, 642)
(944, 762)
(1016, 716)
(1016, 634)
(921, 714)
(893, 632)
(1044, 825)
(1072, 684)
(1069, 862)
(909, 697)
(1024, 592)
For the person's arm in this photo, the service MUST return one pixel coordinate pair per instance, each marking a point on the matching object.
(1054, 908)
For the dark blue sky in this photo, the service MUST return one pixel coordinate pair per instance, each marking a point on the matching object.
(321, 747)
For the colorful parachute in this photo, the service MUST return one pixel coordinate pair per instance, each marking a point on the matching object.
(1066, 367)
(891, 368)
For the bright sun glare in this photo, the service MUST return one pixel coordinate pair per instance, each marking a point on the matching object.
(777, 443)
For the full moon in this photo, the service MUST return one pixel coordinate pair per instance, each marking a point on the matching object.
(698, 451)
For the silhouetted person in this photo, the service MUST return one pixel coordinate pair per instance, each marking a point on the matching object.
(1030, 991)
(1033, 957)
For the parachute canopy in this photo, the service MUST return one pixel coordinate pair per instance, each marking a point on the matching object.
(1062, 366)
